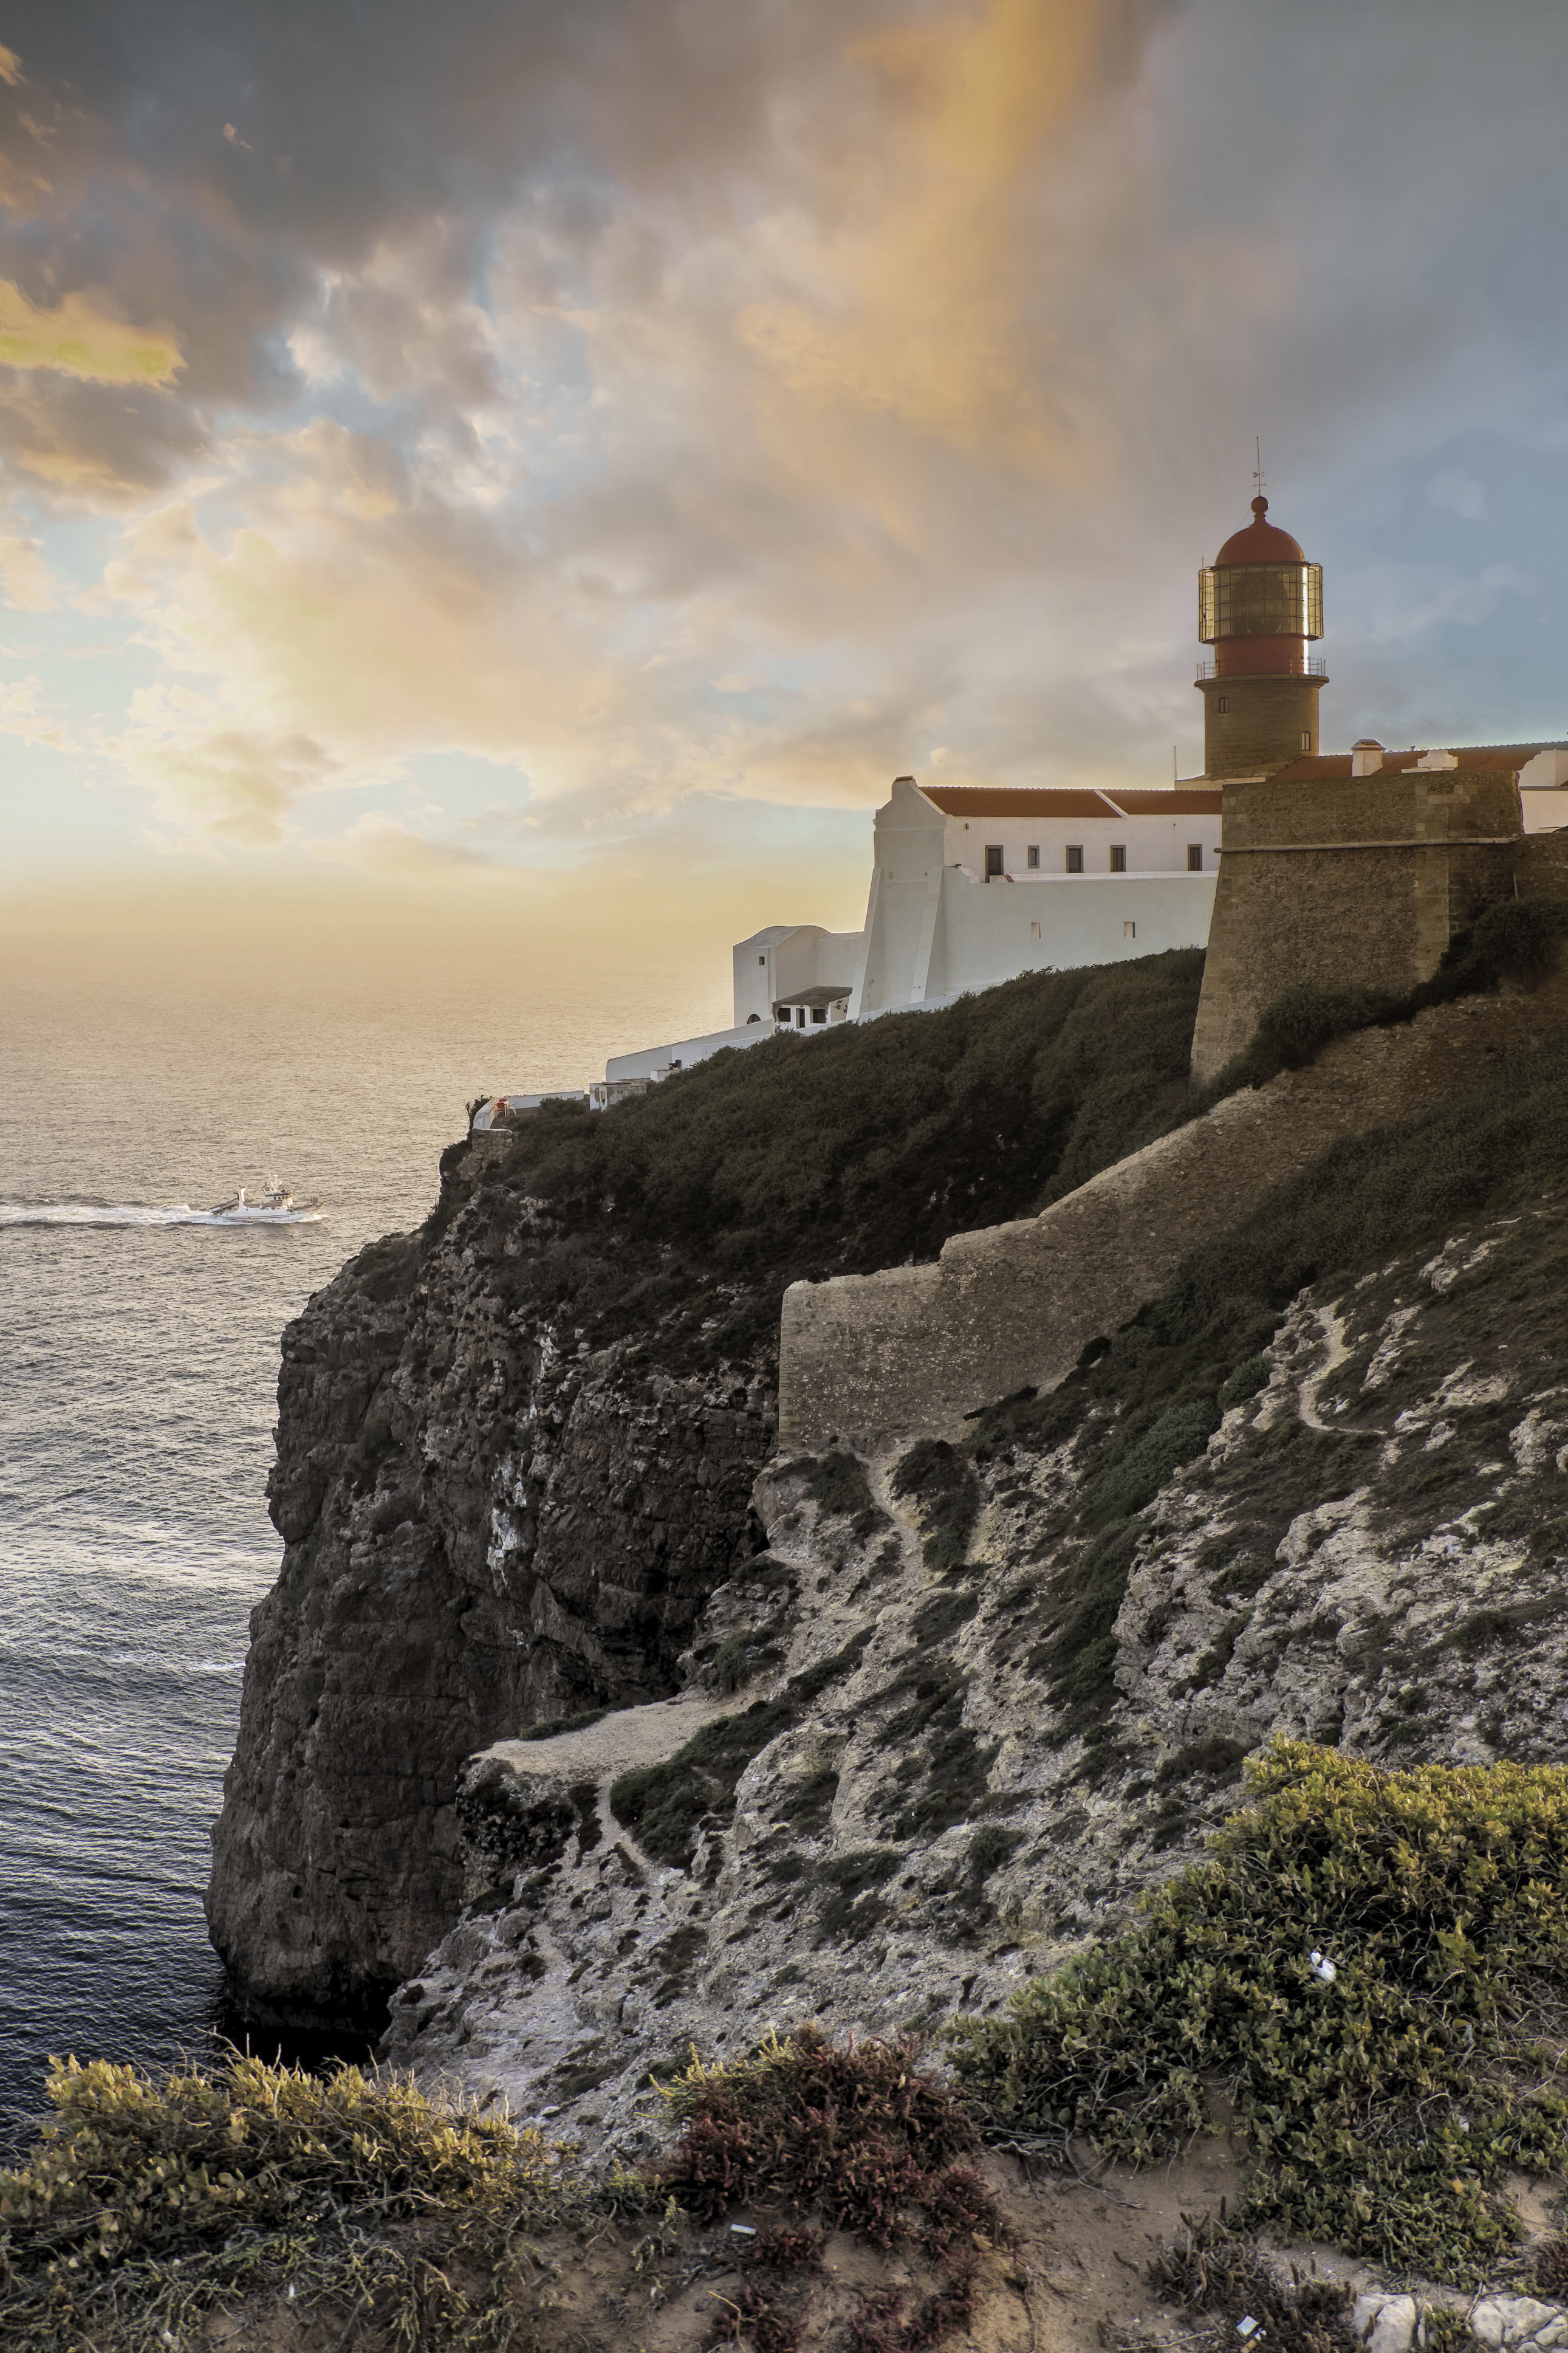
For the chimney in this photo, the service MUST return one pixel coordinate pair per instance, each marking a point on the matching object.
(1366, 756)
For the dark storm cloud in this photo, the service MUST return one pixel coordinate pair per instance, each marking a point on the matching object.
(210, 163)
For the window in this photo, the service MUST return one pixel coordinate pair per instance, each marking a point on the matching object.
(1119, 858)
(1194, 857)
(1129, 931)
(1075, 857)
(992, 858)
(762, 959)
(1034, 931)
(819, 1012)
(1032, 855)
(800, 1016)
(1306, 740)
(1222, 703)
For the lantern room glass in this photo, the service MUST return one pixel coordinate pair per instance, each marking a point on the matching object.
(1260, 600)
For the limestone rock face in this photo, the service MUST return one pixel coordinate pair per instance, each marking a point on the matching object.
(898, 1802)
(484, 1525)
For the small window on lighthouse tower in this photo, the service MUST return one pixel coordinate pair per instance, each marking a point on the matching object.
(1222, 703)
(1306, 740)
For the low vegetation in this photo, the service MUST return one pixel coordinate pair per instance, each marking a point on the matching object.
(859, 2137)
(147, 2207)
(839, 1155)
(1372, 1967)
(1145, 1400)
(666, 1804)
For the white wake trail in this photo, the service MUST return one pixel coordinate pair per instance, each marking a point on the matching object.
(16, 1213)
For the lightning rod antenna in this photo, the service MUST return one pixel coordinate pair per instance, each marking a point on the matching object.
(1258, 467)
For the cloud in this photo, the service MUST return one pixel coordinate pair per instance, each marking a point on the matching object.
(25, 714)
(381, 846)
(81, 336)
(1459, 493)
(923, 314)
(220, 786)
(1408, 600)
(701, 401)
(24, 580)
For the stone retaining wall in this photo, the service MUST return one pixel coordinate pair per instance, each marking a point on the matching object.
(914, 1349)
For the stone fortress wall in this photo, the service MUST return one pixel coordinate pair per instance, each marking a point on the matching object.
(1341, 879)
(910, 1351)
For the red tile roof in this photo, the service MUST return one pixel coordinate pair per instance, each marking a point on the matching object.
(1065, 801)
(1168, 803)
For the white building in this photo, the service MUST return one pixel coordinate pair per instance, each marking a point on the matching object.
(971, 886)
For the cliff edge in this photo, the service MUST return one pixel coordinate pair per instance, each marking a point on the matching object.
(516, 1448)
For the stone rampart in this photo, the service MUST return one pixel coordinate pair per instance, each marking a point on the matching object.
(1357, 881)
(912, 1350)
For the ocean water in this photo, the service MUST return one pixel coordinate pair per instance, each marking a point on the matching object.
(138, 1373)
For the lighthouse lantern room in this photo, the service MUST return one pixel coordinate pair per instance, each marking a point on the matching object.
(1260, 605)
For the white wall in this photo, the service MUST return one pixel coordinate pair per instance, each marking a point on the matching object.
(783, 959)
(657, 1061)
(985, 934)
(906, 855)
(935, 927)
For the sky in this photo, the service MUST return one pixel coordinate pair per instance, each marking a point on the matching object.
(552, 462)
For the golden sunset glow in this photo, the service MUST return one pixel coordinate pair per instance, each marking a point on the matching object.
(619, 459)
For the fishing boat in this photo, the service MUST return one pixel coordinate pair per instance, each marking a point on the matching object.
(276, 1201)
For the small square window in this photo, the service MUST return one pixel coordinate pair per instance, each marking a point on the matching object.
(1129, 931)
(1222, 703)
(1194, 857)
(1075, 857)
(819, 1012)
(1032, 855)
(1034, 931)
(1119, 858)
(992, 858)
(762, 959)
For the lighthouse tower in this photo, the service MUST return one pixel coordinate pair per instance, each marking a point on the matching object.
(1260, 603)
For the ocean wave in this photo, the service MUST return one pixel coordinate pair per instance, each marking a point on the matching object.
(130, 1213)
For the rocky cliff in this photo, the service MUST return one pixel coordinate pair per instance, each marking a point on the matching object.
(486, 1523)
(516, 1449)
(974, 1694)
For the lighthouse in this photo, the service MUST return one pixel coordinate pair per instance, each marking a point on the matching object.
(1260, 606)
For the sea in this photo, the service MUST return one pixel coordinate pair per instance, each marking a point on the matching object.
(138, 1350)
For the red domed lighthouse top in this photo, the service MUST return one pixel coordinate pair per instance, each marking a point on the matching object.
(1260, 543)
(1261, 602)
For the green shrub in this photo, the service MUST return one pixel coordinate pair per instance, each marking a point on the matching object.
(1383, 2109)
(148, 2206)
(940, 1481)
(664, 1803)
(989, 1849)
(1250, 1376)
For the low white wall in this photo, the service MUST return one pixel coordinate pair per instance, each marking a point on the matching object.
(655, 1061)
